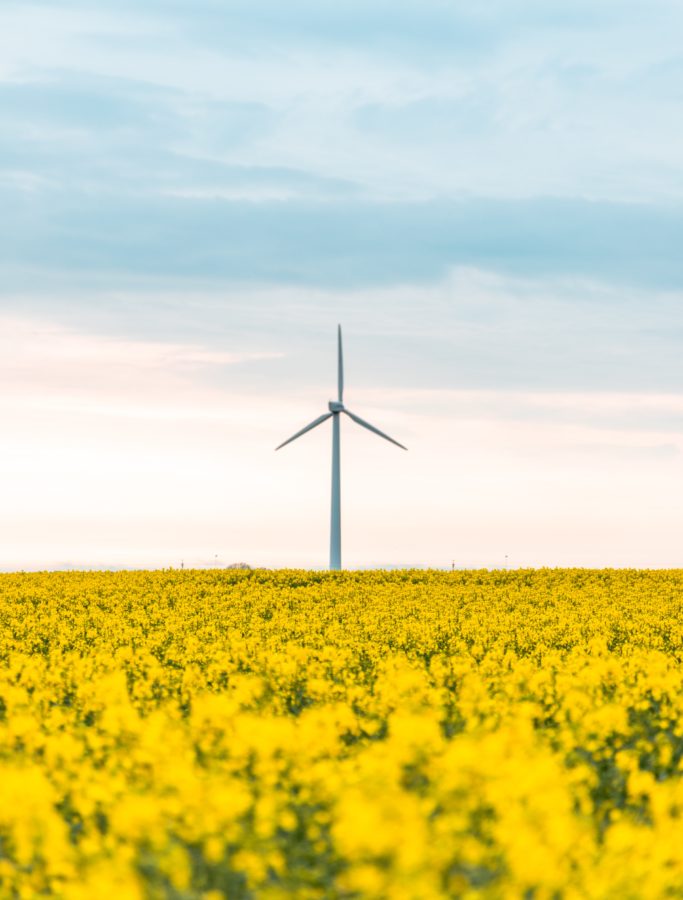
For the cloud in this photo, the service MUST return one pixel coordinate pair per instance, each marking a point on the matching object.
(380, 27)
(52, 367)
(335, 243)
(617, 418)
(418, 101)
(471, 330)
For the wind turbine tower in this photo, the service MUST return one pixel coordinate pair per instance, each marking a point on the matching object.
(335, 409)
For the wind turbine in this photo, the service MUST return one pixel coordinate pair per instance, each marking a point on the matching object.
(336, 407)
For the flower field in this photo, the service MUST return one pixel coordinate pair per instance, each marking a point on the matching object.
(408, 735)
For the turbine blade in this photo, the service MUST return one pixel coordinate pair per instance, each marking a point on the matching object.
(340, 365)
(313, 424)
(370, 427)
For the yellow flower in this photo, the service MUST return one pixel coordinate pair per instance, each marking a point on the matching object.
(404, 735)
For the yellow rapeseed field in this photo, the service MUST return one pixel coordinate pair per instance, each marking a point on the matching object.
(409, 735)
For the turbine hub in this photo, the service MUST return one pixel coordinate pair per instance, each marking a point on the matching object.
(335, 406)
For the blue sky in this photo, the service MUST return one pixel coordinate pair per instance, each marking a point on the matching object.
(488, 197)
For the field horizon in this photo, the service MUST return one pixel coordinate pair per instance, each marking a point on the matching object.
(317, 570)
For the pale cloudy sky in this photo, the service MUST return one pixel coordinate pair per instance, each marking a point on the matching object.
(488, 197)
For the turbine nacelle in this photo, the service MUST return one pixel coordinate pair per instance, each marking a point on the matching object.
(335, 406)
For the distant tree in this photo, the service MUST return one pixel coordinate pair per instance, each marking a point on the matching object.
(238, 565)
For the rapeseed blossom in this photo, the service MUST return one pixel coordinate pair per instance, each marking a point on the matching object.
(410, 735)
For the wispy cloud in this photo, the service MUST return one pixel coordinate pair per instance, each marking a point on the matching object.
(471, 330)
(50, 366)
(333, 243)
(516, 99)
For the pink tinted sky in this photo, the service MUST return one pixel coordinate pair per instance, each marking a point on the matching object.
(130, 453)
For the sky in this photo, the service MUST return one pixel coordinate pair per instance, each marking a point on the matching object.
(487, 197)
